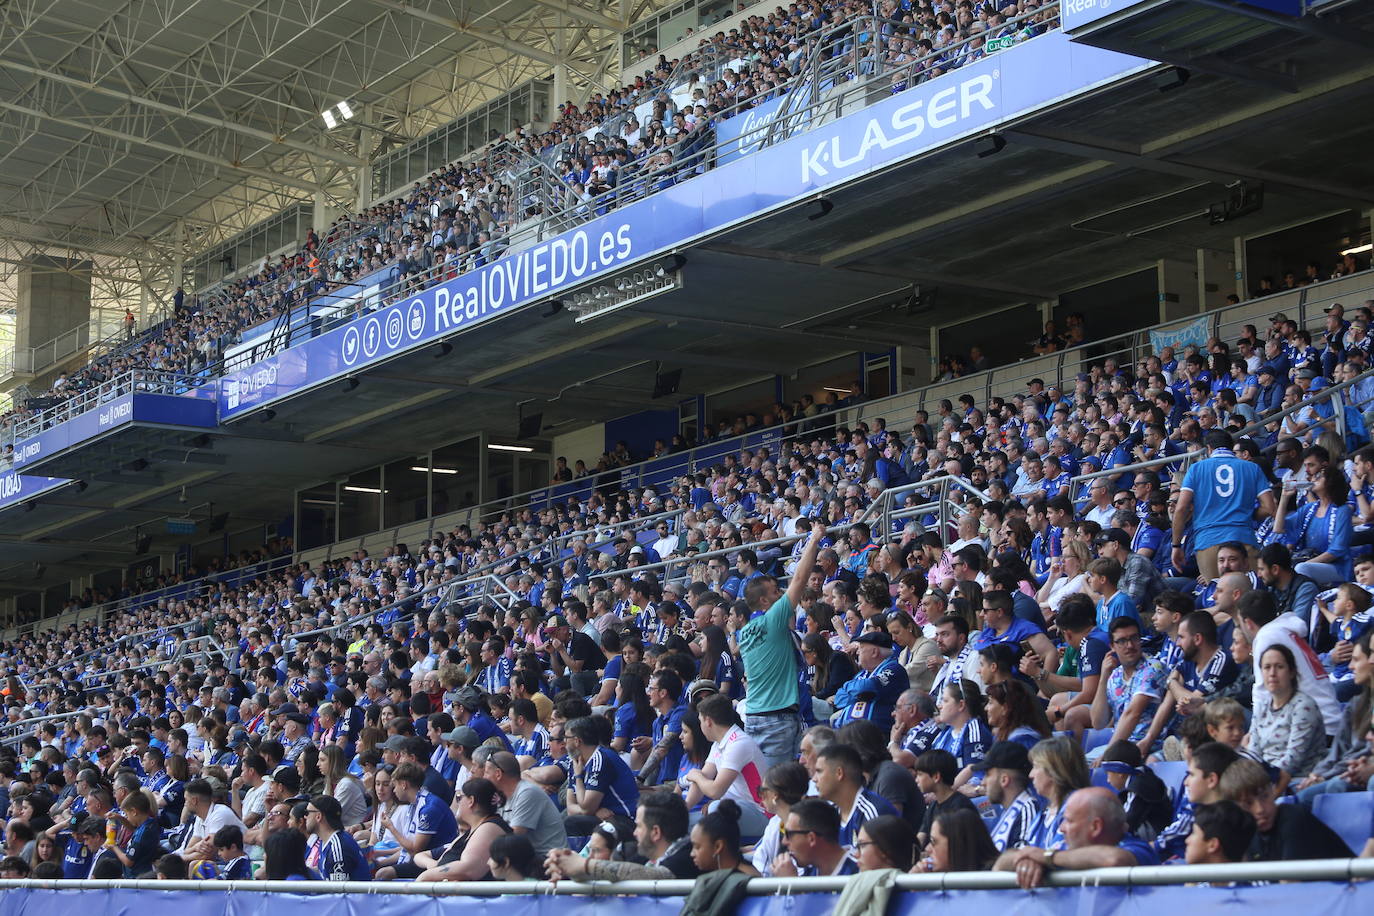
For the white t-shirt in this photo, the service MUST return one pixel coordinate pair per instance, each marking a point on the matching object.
(219, 816)
(737, 751)
(1289, 630)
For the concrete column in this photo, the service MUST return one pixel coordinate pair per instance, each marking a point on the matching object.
(560, 70)
(365, 141)
(53, 299)
(321, 217)
(1242, 280)
(1216, 272)
(1178, 293)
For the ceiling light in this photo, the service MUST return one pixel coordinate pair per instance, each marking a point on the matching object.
(362, 489)
(336, 114)
(1359, 249)
(836, 390)
(510, 448)
(422, 469)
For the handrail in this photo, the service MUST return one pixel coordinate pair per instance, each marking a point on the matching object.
(1342, 870)
(104, 609)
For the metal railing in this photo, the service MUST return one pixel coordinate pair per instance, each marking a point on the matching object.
(135, 381)
(1342, 870)
(1184, 459)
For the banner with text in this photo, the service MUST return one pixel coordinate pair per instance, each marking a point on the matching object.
(1033, 75)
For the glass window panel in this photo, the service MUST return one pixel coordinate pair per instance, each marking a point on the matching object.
(407, 491)
(360, 503)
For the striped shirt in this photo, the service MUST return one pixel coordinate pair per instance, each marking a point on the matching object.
(1016, 826)
(867, 806)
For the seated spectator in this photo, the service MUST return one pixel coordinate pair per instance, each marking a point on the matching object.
(660, 828)
(885, 842)
(1149, 809)
(1058, 769)
(959, 841)
(1006, 780)
(467, 857)
(734, 767)
(1287, 732)
(512, 858)
(1282, 832)
(812, 837)
(1222, 834)
(1319, 530)
(1132, 688)
(936, 771)
(872, 693)
(1094, 837)
(1071, 694)
(716, 841)
(965, 735)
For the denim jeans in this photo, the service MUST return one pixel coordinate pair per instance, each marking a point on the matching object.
(1323, 573)
(1307, 797)
(778, 735)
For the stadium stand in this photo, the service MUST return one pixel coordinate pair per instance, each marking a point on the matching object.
(1109, 606)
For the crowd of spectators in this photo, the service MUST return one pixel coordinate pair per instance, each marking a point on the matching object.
(800, 690)
(603, 153)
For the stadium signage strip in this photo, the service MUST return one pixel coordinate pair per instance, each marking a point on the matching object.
(1030, 76)
(16, 487)
(195, 408)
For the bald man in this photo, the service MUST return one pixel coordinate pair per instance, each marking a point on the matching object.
(1094, 828)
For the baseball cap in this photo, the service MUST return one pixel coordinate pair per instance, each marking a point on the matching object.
(469, 698)
(286, 709)
(1266, 369)
(1115, 535)
(1307, 373)
(556, 620)
(1278, 316)
(1005, 755)
(705, 685)
(463, 736)
(875, 638)
(395, 744)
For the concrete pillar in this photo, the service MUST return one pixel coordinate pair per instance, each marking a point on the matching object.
(1241, 272)
(1216, 271)
(322, 215)
(54, 300)
(365, 141)
(1178, 292)
(560, 70)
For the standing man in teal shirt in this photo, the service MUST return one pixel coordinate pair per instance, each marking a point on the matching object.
(771, 711)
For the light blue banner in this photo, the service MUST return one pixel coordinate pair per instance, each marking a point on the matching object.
(1179, 336)
(1030, 76)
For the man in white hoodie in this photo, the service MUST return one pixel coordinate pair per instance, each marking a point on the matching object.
(1266, 627)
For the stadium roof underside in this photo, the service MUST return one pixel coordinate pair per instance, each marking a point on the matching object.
(119, 120)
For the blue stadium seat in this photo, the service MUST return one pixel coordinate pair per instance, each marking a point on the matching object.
(1172, 774)
(1099, 777)
(1095, 737)
(1347, 813)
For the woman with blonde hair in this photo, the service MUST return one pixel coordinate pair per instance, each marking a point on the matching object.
(1068, 574)
(1058, 769)
(343, 785)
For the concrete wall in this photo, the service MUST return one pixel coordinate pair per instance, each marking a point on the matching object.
(54, 298)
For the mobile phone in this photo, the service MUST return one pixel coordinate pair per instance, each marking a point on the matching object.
(1026, 647)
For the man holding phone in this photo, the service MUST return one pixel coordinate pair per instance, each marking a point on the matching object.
(1002, 626)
